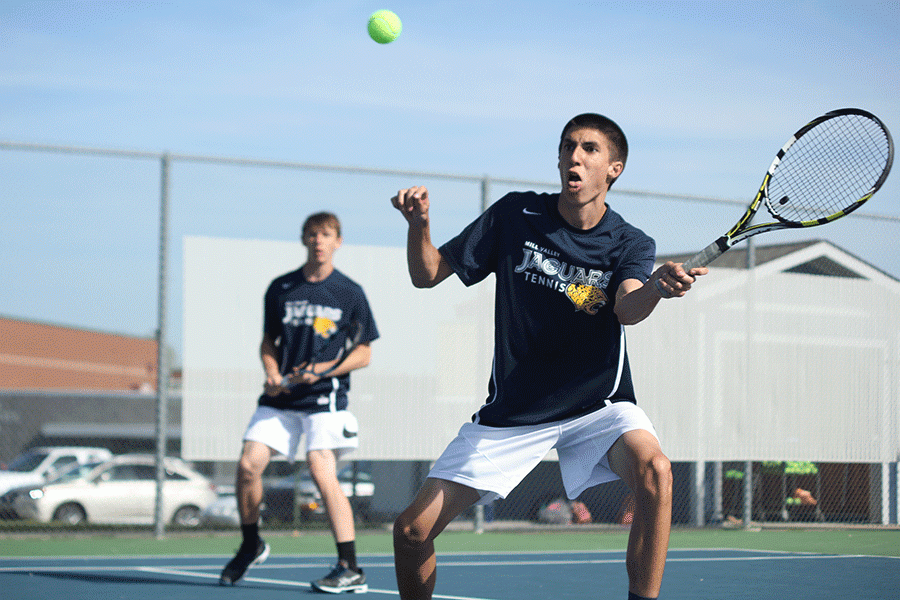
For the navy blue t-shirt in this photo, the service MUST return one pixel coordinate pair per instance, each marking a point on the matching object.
(559, 349)
(298, 315)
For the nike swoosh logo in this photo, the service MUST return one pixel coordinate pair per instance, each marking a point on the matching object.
(525, 211)
(350, 434)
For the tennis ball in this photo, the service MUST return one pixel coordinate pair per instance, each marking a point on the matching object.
(384, 26)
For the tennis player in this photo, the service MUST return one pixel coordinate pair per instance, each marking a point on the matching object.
(301, 308)
(570, 273)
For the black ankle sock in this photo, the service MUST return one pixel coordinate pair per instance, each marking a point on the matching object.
(250, 534)
(347, 554)
(633, 596)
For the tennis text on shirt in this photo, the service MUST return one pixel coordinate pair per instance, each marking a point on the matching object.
(583, 286)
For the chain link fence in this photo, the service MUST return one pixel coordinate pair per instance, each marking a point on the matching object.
(106, 230)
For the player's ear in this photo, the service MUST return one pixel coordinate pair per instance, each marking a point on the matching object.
(615, 169)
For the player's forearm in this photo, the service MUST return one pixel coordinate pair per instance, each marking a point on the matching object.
(635, 301)
(268, 354)
(422, 257)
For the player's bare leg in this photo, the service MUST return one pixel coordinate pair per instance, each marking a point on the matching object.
(346, 576)
(323, 468)
(249, 490)
(437, 503)
(638, 459)
(254, 459)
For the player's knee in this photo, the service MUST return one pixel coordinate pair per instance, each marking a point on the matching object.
(656, 477)
(249, 468)
(408, 532)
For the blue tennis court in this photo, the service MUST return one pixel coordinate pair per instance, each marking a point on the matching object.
(690, 574)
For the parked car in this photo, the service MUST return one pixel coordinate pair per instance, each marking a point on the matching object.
(279, 499)
(67, 473)
(121, 490)
(223, 512)
(37, 465)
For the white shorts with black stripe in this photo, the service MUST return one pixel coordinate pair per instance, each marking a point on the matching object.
(494, 460)
(281, 430)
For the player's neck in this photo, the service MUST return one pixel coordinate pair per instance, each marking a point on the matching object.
(316, 272)
(582, 215)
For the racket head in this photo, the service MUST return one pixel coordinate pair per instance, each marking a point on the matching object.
(829, 168)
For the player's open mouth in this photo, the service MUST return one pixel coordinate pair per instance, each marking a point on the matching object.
(573, 180)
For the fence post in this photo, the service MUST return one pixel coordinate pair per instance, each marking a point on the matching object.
(698, 493)
(751, 318)
(748, 493)
(478, 520)
(717, 513)
(162, 362)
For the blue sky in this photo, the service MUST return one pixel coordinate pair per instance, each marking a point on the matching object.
(706, 91)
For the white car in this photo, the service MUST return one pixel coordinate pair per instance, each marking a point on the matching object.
(37, 465)
(121, 490)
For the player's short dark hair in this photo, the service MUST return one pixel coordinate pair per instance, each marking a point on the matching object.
(322, 219)
(606, 126)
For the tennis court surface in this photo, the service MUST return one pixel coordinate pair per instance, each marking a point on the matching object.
(694, 574)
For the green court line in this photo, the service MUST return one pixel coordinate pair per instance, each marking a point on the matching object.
(870, 542)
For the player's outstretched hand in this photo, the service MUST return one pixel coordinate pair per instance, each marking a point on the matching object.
(672, 281)
(413, 204)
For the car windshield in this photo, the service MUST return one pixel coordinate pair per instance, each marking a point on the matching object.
(27, 461)
(74, 471)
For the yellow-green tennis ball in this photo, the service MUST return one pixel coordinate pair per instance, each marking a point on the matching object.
(384, 26)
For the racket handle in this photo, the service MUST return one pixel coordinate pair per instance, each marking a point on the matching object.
(286, 382)
(706, 256)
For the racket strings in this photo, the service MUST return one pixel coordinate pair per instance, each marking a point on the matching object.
(829, 169)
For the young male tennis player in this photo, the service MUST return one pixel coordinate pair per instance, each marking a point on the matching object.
(570, 273)
(302, 308)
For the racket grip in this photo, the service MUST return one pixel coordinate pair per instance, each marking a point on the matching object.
(705, 256)
(287, 383)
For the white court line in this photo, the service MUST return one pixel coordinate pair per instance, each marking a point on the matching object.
(450, 553)
(191, 569)
(163, 571)
(615, 561)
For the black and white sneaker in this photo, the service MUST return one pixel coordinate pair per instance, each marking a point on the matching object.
(244, 559)
(342, 579)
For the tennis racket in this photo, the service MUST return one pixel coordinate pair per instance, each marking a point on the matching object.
(828, 169)
(336, 347)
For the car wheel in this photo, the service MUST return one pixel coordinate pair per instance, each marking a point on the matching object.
(187, 516)
(70, 514)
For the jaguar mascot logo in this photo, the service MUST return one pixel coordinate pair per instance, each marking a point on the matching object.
(588, 298)
(324, 328)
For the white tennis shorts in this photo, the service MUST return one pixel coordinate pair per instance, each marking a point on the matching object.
(281, 430)
(494, 460)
